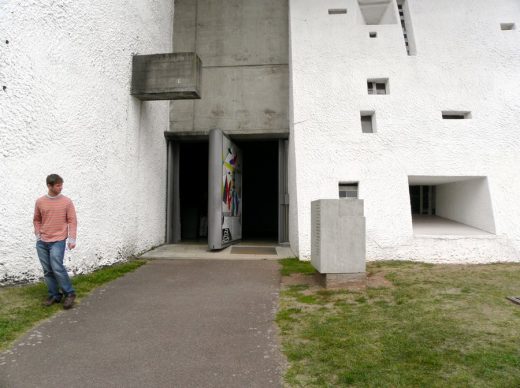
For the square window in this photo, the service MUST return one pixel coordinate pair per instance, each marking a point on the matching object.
(348, 190)
(377, 86)
(367, 122)
(507, 26)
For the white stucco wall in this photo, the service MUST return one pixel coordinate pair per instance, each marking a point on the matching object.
(464, 62)
(67, 109)
(467, 202)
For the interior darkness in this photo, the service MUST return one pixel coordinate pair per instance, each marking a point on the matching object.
(193, 190)
(259, 190)
(415, 199)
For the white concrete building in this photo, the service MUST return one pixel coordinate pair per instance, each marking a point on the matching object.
(410, 105)
(464, 60)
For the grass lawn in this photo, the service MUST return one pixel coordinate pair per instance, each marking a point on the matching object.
(416, 324)
(21, 309)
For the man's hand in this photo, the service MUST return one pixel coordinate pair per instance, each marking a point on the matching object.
(71, 245)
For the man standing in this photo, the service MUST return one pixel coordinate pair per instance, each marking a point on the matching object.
(55, 221)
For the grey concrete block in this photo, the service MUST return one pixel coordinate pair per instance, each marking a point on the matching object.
(338, 243)
(174, 76)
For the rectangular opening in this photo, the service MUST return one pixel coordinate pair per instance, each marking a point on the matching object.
(507, 26)
(456, 115)
(348, 190)
(337, 11)
(377, 86)
(259, 217)
(368, 121)
(372, 34)
(450, 205)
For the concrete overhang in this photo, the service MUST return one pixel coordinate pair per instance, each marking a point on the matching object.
(173, 76)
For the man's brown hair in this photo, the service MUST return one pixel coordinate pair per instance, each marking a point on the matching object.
(53, 179)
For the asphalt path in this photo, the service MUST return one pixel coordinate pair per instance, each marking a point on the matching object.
(171, 323)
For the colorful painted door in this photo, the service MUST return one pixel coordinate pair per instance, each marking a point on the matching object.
(224, 191)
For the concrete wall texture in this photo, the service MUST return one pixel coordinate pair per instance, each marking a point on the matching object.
(244, 53)
(66, 108)
(463, 62)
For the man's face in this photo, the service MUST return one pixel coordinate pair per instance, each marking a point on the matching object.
(56, 189)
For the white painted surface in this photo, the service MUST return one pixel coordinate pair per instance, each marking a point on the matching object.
(67, 109)
(424, 225)
(467, 202)
(464, 62)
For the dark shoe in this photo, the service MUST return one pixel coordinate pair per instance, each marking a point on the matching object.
(69, 301)
(51, 300)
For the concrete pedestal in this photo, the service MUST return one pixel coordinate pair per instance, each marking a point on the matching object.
(338, 249)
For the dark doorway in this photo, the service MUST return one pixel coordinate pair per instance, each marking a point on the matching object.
(260, 190)
(193, 190)
(422, 199)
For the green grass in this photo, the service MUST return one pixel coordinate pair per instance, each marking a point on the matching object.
(21, 309)
(294, 265)
(432, 326)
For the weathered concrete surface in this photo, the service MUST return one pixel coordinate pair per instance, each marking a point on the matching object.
(173, 76)
(338, 236)
(238, 100)
(181, 323)
(243, 45)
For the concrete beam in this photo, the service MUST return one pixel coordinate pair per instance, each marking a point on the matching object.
(174, 76)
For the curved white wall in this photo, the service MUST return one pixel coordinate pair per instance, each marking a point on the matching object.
(464, 62)
(67, 109)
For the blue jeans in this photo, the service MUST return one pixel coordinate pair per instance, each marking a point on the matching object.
(51, 258)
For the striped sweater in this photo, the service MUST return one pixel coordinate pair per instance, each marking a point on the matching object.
(55, 219)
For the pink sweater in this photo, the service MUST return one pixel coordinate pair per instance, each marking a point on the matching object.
(55, 219)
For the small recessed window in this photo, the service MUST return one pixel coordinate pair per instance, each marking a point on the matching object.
(367, 122)
(337, 11)
(456, 115)
(372, 34)
(377, 86)
(507, 26)
(348, 190)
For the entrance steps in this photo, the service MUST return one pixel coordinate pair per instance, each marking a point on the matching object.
(255, 251)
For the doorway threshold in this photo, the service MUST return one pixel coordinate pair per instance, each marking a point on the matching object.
(242, 251)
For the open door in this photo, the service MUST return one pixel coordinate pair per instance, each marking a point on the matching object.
(224, 191)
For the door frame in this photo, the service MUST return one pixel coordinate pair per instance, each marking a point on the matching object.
(173, 214)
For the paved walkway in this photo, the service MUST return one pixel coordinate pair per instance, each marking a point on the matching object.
(171, 323)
